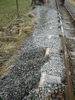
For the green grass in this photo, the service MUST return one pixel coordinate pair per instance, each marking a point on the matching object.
(8, 10)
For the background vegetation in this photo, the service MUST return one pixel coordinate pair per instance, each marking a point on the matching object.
(8, 10)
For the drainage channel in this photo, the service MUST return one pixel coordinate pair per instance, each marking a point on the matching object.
(52, 84)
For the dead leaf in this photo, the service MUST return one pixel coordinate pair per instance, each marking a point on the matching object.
(39, 96)
(46, 95)
(72, 58)
(48, 57)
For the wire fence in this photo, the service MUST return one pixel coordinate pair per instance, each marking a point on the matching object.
(10, 10)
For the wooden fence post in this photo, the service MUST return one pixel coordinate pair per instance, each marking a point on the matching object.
(17, 8)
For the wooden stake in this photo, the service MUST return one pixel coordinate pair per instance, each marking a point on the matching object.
(17, 8)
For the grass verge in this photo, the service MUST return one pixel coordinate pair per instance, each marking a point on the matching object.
(72, 2)
(8, 10)
(12, 37)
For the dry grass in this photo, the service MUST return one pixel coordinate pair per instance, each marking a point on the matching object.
(12, 37)
(72, 2)
(26, 30)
